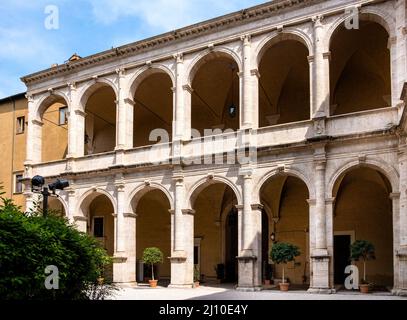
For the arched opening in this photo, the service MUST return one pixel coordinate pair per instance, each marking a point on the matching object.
(56, 206)
(360, 69)
(100, 121)
(216, 231)
(285, 199)
(215, 97)
(284, 89)
(153, 107)
(153, 229)
(54, 116)
(99, 212)
(363, 211)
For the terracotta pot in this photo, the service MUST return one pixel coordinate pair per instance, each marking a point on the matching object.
(364, 288)
(196, 284)
(153, 283)
(284, 286)
(266, 282)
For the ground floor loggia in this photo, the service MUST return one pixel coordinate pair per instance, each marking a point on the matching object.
(213, 233)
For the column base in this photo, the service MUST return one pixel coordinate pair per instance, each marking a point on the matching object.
(248, 289)
(181, 286)
(399, 292)
(321, 291)
(132, 284)
(247, 272)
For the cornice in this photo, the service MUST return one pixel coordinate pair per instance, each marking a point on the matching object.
(213, 25)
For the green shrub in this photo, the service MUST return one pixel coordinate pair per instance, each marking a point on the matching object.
(152, 256)
(30, 243)
(283, 253)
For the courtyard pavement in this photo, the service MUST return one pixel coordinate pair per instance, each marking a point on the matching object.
(216, 292)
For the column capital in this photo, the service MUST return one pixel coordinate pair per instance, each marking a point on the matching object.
(320, 164)
(120, 186)
(257, 206)
(188, 88)
(37, 122)
(312, 202)
(255, 72)
(246, 39)
(80, 113)
(327, 55)
(178, 57)
(246, 173)
(129, 101)
(29, 97)
(317, 20)
(394, 195)
(178, 179)
(130, 215)
(188, 211)
(239, 206)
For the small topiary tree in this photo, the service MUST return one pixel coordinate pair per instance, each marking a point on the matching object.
(152, 256)
(283, 253)
(362, 250)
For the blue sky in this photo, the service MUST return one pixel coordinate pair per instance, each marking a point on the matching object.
(87, 27)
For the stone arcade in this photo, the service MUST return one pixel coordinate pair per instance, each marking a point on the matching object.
(321, 104)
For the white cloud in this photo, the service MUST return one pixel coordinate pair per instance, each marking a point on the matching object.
(163, 14)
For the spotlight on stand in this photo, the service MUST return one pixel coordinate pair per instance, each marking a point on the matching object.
(37, 186)
(58, 185)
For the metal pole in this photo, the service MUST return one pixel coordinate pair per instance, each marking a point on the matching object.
(45, 195)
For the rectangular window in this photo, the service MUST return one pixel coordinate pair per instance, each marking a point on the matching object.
(20, 126)
(98, 227)
(18, 185)
(63, 116)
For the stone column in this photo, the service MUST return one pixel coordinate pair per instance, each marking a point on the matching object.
(320, 259)
(187, 90)
(124, 259)
(401, 243)
(125, 110)
(179, 116)
(249, 258)
(77, 132)
(34, 135)
(71, 203)
(398, 49)
(182, 240)
(319, 73)
(249, 88)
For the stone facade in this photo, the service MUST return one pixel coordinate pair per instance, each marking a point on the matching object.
(320, 151)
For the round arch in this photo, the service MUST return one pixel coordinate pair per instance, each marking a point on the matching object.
(366, 14)
(46, 101)
(288, 172)
(92, 87)
(208, 55)
(143, 189)
(201, 184)
(60, 201)
(90, 195)
(277, 37)
(388, 171)
(143, 73)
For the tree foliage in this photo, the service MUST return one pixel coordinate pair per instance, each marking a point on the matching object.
(362, 250)
(29, 243)
(284, 252)
(152, 256)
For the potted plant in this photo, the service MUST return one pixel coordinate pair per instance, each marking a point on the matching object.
(283, 253)
(365, 251)
(220, 272)
(197, 276)
(152, 256)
